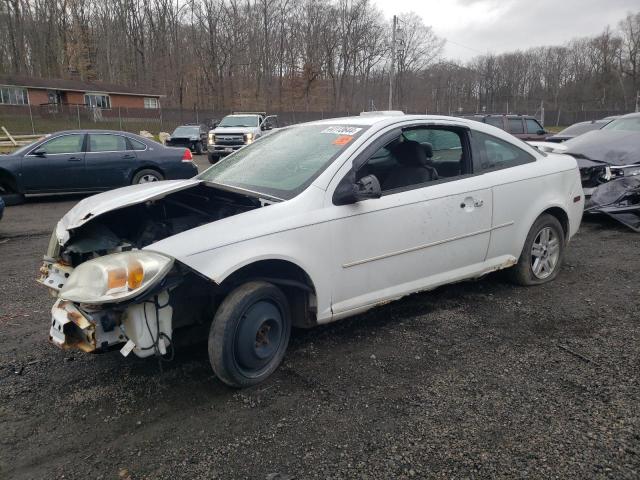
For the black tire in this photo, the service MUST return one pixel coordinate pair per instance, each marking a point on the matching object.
(147, 175)
(249, 334)
(213, 158)
(10, 197)
(199, 148)
(527, 272)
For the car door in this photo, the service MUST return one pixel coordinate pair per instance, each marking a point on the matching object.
(515, 127)
(109, 160)
(412, 237)
(534, 130)
(516, 186)
(58, 164)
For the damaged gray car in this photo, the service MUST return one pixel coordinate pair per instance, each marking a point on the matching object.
(609, 163)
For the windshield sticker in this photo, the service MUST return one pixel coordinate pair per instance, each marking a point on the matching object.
(342, 130)
(342, 140)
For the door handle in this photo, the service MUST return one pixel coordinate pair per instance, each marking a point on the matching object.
(128, 156)
(471, 202)
(74, 159)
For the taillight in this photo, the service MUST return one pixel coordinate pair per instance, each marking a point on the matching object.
(187, 157)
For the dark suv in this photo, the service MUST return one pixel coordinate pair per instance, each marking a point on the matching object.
(191, 136)
(524, 127)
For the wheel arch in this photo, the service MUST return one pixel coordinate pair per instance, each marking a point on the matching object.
(562, 216)
(153, 167)
(294, 281)
(10, 179)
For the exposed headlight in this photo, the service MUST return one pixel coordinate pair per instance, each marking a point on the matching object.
(115, 277)
(53, 250)
(248, 138)
(212, 139)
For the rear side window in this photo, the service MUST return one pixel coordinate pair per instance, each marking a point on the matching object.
(107, 143)
(491, 153)
(495, 121)
(533, 126)
(63, 144)
(136, 145)
(515, 125)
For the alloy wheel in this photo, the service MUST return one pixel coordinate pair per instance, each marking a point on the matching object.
(545, 253)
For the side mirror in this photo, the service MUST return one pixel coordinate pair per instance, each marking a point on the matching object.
(367, 187)
(267, 126)
(39, 152)
(348, 192)
(541, 132)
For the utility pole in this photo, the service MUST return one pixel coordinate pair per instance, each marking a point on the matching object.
(393, 61)
(638, 101)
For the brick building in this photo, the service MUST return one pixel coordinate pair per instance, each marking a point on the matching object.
(16, 90)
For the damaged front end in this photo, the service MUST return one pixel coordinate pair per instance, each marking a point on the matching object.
(618, 199)
(112, 292)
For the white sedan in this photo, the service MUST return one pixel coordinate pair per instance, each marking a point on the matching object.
(311, 224)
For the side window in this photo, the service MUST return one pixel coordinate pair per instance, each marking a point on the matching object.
(106, 143)
(63, 144)
(418, 156)
(493, 153)
(533, 126)
(495, 121)
(136, 145)
(515, 126)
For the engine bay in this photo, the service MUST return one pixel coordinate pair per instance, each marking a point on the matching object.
(139, 225)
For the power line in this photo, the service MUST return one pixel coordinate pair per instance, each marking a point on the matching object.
(464, 46)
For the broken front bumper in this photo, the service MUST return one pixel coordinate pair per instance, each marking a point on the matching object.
(71, 328)
(54, 275)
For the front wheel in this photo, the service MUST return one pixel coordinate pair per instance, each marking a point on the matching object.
(249, 334)
(213, 158)
(9, 196)
(146, 176)
(542, 253)
(198, 148)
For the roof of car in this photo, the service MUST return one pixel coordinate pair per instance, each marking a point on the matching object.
(630, 115)
(93, 130)
(381, 120)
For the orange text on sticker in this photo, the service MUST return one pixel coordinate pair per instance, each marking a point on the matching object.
(342, 140)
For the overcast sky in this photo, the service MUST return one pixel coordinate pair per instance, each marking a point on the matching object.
(482, 26)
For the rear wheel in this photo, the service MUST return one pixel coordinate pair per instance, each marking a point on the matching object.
(249, 334)
(146, 176)
(542, 253)
(213, 158)
(10, 196)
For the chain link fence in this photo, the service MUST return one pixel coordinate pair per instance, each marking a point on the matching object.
(41, 119)
(27, 119)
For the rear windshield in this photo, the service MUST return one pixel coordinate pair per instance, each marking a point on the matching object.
(284, 163)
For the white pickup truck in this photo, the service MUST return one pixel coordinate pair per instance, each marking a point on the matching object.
(235, 131)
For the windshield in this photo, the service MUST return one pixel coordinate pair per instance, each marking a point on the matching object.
(186, 132)
(240, 121)
(23, 149)
(285, 162)
(582, 127)
(631, 124)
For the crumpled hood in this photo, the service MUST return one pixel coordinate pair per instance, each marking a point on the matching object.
(95, 205)
(615, 147)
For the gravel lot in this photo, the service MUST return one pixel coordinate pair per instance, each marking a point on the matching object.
(475, 380)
